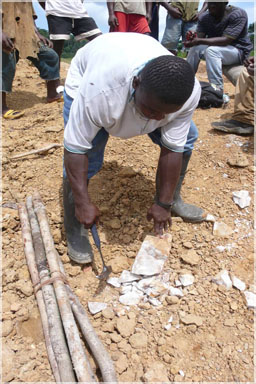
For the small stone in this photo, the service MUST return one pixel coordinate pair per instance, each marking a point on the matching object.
(127, 172)
(131, 298)
(229, 322)
(172, 300)
(114, 223)
(138, 340)
(186, 279)
(125, 326)
(175, 292)
(222, 278)
(7, 327)
(152, 255)
(240, 160)
(237, 283)
(95, 307)
(188, 244)
(210, 218)
(121, 364)
(114, 281)
(157, 372)
(127, 277)
(191, 257)
(242, 198)
(115, 337)
(222, 230)
(108, 313)
(192, 319)
(250, 299)
(25, 287)
(233, 305)
(15, 307)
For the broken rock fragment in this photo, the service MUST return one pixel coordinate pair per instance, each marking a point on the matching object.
(127, 277)
(190, 257)
(241, 198)
(222, 230)
(152, 255)
(192, 319)
(186, 279)
(95, 307)
(131, 298)
(250, 299)
(237, 283)
(222, 278)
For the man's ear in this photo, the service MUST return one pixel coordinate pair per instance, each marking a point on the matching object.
(135, 82)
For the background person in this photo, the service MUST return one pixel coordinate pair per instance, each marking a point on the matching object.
(20, 39)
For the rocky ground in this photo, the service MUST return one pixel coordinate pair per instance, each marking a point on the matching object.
(218, 345)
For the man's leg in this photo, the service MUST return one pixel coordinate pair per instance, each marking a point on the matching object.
(7, 73)
(242, 122)
(58, 48)
(79, 248)
(187, 212)
(172, 33)
(195, 55)
(216, 57)
(47, 64)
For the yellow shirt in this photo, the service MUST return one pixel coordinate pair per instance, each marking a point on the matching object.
(18, 24)
(188, 8)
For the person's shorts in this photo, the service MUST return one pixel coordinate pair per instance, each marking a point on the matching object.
(131, 23)
(60, 28)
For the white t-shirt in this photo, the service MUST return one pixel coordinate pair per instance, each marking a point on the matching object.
(66, 8)
(100, 82)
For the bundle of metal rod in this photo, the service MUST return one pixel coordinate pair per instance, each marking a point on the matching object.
(58, 305)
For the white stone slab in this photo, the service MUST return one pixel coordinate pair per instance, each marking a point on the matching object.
(250, 299)
(222, 278)
(242, 198)
(114, 281)
(237, 283)
(152, 255)
(127, 277)
(175, 292)
(95, 307)
(131, 298)
(186, 279)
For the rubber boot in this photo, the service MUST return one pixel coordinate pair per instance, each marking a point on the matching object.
(187, 212)
(79, 248)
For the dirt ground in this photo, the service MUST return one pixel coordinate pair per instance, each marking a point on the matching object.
(220, 348)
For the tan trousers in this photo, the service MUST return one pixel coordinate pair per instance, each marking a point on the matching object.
(244, 99)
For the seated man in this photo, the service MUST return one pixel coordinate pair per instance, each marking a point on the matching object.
(222, 39)
(141, 89)
(242, 122)
(182, 17)
(129, 16)
(20, 39)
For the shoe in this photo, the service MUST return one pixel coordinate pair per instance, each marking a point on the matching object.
(79, 247)
(233, 126)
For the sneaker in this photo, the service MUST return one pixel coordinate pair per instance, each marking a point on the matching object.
(233, 126)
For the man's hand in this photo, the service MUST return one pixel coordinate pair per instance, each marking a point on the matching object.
(7, 44)
(249, 64)
(87, 214)
(113, 22)
(175, 13)
(191, 43)
(44, 40)
(162, 218)
(195, 17)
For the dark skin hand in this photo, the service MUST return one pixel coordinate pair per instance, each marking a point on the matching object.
(7, 44)
(168, 172)
(217, 41)
(249, 64)
(44, 40)
(112, 19)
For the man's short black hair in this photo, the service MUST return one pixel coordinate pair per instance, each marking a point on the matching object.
(170, 78)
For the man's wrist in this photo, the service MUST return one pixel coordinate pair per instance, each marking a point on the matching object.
(165, 205)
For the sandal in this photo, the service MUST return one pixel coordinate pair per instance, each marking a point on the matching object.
(58, 99)
(11, 114)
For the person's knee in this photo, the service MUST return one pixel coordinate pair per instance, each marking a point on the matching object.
(212, 52)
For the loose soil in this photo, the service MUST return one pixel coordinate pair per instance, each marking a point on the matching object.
(220, 348)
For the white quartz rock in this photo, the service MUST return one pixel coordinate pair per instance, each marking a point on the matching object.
(237, 283)
(131, 298)
(241, 198)
(177, 283)
(127, 277)
(186, 279)
(95, 307)
(210, 217)
(126, 288)
(154, 301)
(152, 255)
(222, 278)
(175, 292)
(114, 281)
(250, 299)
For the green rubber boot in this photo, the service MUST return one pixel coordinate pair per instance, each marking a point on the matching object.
(79, 248)
(187, 212)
